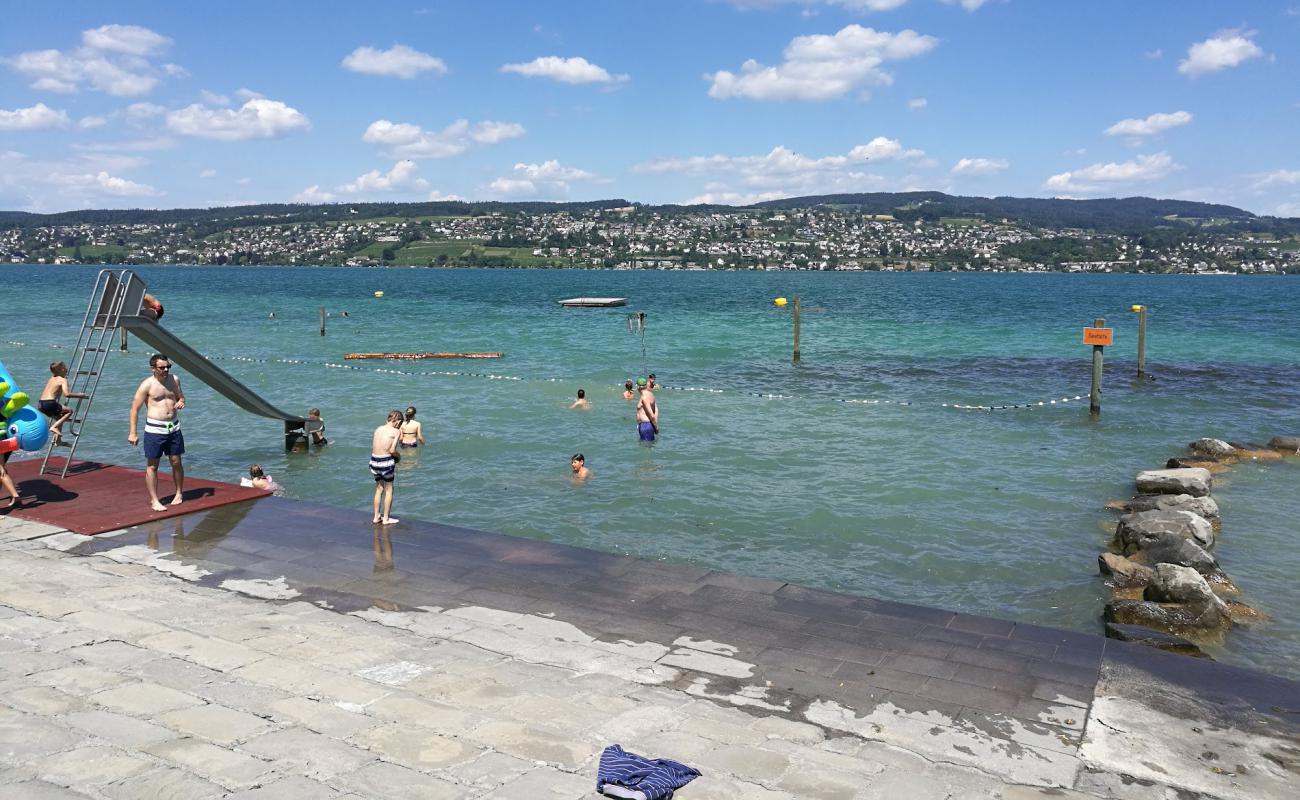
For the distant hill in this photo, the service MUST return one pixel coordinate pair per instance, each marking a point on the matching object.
(1128, 214)
(1106, 213)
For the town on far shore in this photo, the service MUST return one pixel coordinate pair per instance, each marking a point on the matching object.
(817, 235)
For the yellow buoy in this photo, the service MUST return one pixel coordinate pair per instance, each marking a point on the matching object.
(780, 301)
(379, 294)
(1135, 309)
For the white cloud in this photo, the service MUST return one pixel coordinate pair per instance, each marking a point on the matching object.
(129, 39)
(313, 194)
(1154, 54)
(258, 118)
(248, 94)
(1222, 50)
(39, 117)
(969, 5)
(83, 181)
(917, 103)
(565, 70)
(1099, 177)
(1288, 210)
(92, 122)
(404, 140)
(973, 167)
(782, 160)
(140, 111)
(553, 171)
(401, 178)
(1156, 123)
(213, 98)
(398, 61)
(436, 196)
(133, 145)
(1278, 177)
(549, 177)
(726, 198)
(103, 183)
(857, 6)
(823, 67)
(208, 173)
(513, 187)
(114, 59)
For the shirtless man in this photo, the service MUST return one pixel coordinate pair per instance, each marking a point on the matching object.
(412, 430)
(57, 387)
(582, 402)
(162, 428)
(647, 412)
(383, 464)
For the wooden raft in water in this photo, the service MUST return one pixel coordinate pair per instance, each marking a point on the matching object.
(422, 355)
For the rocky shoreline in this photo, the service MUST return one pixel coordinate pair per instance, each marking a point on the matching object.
(1167, 588)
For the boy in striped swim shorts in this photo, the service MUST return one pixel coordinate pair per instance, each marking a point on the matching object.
(383, 465)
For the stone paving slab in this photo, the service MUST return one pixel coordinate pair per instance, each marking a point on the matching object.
(423, 687)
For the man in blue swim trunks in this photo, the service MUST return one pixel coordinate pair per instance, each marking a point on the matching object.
(647, 412)
(161, 394)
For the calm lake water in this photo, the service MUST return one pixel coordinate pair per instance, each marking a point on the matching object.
(995, 513)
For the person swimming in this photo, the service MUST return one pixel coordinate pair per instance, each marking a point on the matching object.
(412, 431)
(578, 463)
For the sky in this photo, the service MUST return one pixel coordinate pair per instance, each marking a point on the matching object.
(181, 105)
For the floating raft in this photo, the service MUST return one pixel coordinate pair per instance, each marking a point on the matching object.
(422, 355)
(594, 302)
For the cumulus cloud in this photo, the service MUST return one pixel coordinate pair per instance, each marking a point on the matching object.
(549, 177)
(114, 59)
(1100, 177)
(917, 103)
(1279, 177)
(404, 140)
(142, 111)
(823, 67)
(1222, 50)
(783, 173)
(258, 118)
(401, 178)
(104, 184)
(436, 196)
(1156, 123)
(213, 98)
(39, 117)
(565, 70)
(92, 122)
(398, 61)
(973, 167)
(313, 194)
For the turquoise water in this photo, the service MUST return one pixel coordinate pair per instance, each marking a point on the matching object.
(997, 513)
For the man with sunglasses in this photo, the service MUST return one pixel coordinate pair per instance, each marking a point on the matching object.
(161, 391)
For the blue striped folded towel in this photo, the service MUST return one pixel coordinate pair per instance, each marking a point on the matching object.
(628, 775)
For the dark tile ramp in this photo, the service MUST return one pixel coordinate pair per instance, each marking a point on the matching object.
(805, 645)
(95, 498)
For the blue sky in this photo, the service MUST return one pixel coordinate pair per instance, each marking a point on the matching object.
(135, 104)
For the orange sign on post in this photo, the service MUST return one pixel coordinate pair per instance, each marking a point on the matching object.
(1101, 336)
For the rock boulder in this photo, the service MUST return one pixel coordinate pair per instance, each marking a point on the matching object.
(1194, 481)
(1201, 506)
(1124, 574)
(1140, 530)
(1287, 444)
(1206, 621)
(1176, 550)
(1216, 449)
(1152, 638)
(1174, 584)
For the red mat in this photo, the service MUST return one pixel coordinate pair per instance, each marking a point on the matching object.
(95, 498)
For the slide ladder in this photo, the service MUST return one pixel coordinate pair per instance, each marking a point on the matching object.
(118, 303)
(114, 296)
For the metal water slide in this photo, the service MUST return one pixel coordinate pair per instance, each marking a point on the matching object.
(192, 361)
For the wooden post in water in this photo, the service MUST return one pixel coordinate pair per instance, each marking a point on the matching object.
(322, 320)
(1094, 399)
(123, 345)
(1142, 340)
(796, 329)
